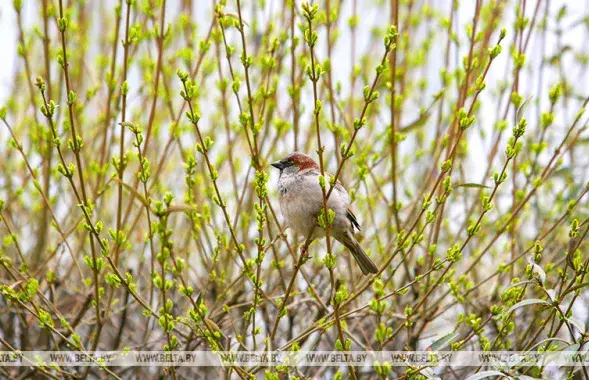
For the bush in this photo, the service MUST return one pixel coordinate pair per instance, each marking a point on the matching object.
(139, 210)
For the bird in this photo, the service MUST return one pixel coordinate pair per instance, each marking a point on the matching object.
(301, 200)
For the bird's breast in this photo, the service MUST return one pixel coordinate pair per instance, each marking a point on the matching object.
(300, 202)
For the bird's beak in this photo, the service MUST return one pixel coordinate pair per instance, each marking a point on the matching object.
(278, 165)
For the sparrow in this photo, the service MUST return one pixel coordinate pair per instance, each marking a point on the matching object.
(301, 200)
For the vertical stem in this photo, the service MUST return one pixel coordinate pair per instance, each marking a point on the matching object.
(76, 149)
(393, 67)
(121, 167)
(294, 86)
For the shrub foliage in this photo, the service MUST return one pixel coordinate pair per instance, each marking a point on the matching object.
(138, 209)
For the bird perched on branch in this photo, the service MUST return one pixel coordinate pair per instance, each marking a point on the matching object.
(301, 201)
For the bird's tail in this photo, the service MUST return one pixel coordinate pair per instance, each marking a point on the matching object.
(366, 265)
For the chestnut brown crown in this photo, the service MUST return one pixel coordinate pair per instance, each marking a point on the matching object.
(299, 160)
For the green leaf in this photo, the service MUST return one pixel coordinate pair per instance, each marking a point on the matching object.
(564, 171)
(577, 323)
(415, 124)
(442, 342)
(528, 302)
(572, 347)
(473, 185)
(522, 108)
(135, 193)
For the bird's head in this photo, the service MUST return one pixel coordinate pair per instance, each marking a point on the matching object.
(295, 163)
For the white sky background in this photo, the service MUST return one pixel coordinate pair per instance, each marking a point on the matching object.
(8, 38)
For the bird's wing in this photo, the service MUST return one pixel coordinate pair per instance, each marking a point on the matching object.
(349, 214)
(340, 189)
(352, 218)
